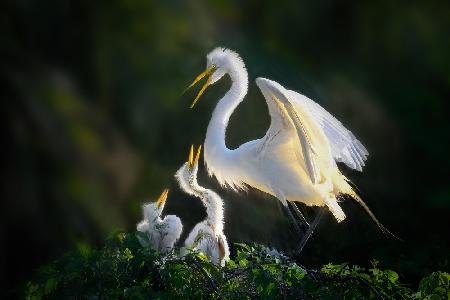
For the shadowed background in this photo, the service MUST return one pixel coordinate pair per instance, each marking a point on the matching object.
(94, 124)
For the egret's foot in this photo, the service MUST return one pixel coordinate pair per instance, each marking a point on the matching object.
(310, 230)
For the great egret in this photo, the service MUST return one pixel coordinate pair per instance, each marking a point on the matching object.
(162, 233)
(296, 159)
(207, 236)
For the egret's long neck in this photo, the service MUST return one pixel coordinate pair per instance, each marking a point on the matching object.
(214, 210)
(213, 204)
(215, 134)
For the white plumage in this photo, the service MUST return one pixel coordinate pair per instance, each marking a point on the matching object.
(207, 236)
(344, 145)
(296, 159)
(162, 233)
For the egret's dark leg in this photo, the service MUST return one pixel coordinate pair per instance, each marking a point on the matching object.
(299, 214)
(311, 228)
(293, 220)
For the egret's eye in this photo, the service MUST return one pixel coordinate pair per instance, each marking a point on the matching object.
(214, 66)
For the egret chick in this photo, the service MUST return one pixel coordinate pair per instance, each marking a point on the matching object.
(162, 233)
(207, 236)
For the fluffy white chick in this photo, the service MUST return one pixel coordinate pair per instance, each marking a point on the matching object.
(162, 233)
(207, 236)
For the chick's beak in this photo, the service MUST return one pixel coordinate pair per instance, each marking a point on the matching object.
(208, 72)
(162, 199)
(191, 157)
(191, 160)
(197, 156)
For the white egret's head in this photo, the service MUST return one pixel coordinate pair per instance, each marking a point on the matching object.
(219, 62)
(154, 210)
(187, 174)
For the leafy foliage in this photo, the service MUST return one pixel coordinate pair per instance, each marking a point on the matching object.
(123, 269)
(435, 286)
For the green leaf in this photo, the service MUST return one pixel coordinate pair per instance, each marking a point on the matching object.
(391, 275)
(243, 262)
(231, 264)
(127, 253)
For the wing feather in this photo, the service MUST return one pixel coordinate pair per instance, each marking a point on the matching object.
(284, 117)
(345, 147)
(305, 142)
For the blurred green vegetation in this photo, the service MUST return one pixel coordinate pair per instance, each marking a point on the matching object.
(95, 124)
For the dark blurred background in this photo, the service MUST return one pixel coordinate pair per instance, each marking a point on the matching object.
(94, 124)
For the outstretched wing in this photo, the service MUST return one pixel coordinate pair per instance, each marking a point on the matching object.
(345, 147)
(286, 122)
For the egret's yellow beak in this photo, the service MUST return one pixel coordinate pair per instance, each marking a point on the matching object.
(208, 72)
(191, 160)
(162, 199)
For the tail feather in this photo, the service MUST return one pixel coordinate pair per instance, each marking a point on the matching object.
(344, 187)
(370, 213)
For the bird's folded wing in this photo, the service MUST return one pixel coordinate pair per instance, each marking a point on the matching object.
(345, 147)
(285, 118)
(306, 143)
